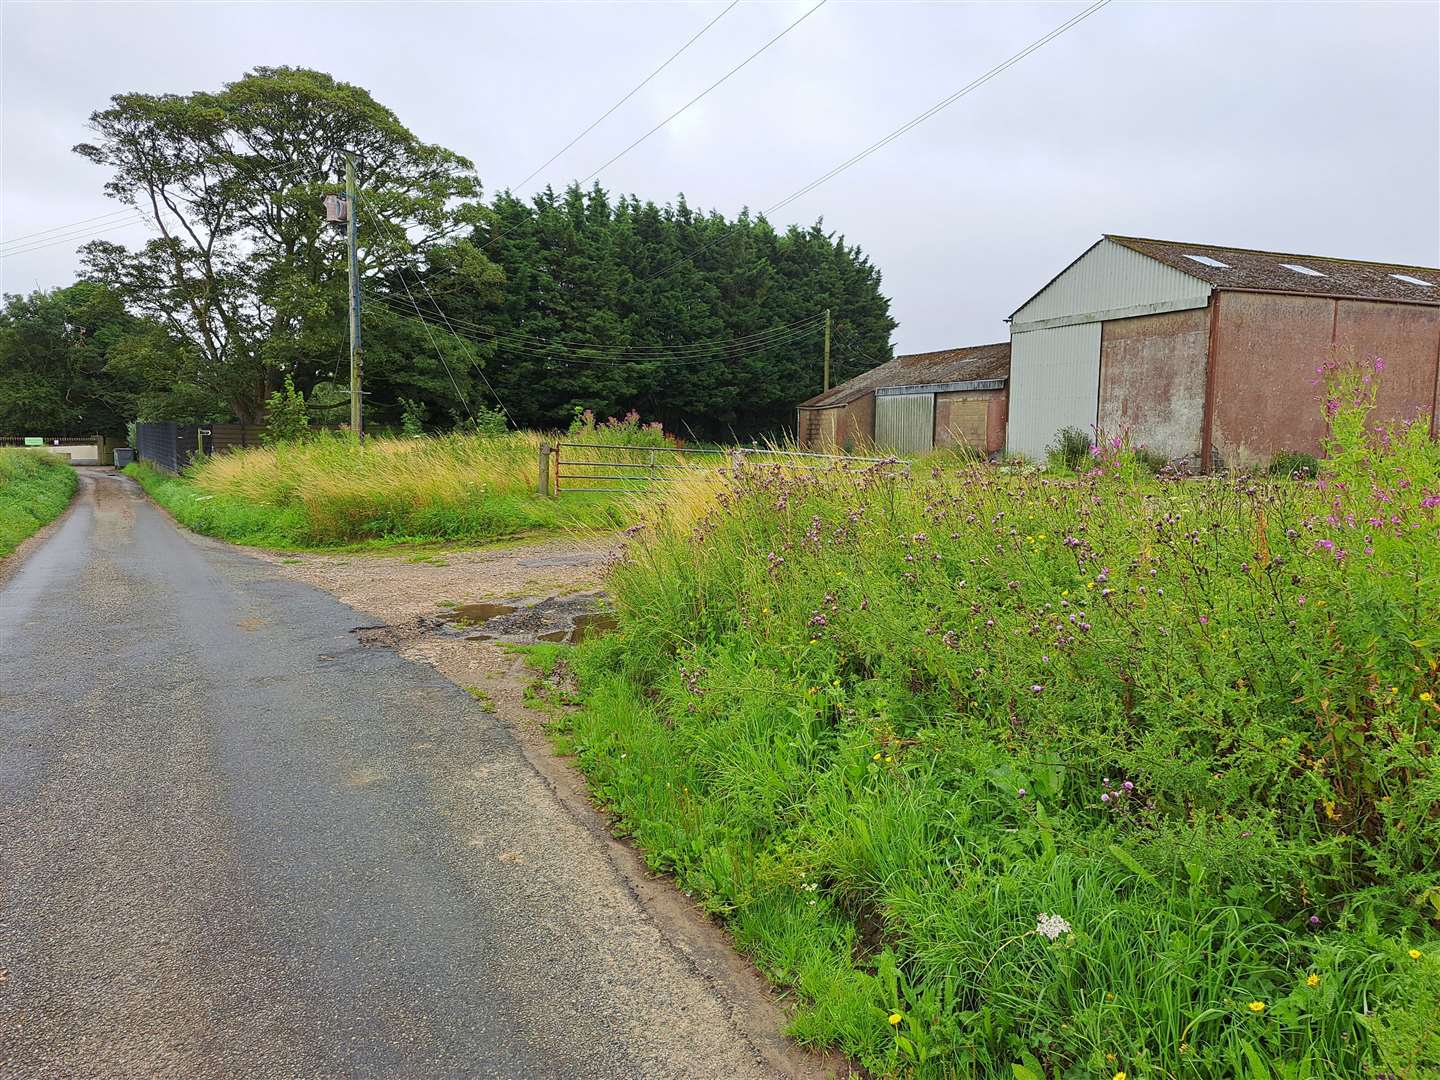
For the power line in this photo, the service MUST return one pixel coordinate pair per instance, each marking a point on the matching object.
(469, 356)
(523, 342)
(944, 103)
(75, 238)
(702, 93)
(697, 352)
(638, 86)
(974, 84)
(630, 362)
(64, 228)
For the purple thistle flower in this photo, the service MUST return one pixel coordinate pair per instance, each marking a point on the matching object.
(1021, 793)
(1128, 786)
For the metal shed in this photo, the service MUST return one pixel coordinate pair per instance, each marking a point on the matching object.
(915, 403)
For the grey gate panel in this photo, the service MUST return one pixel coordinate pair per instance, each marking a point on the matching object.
(905, 423)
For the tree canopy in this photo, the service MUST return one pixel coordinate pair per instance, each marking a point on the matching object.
(244, 268)
(544, 305)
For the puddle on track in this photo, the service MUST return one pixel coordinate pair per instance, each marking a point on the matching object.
(567, 620)
(475, 614)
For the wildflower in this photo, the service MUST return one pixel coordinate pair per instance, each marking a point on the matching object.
(1415, 954)
(1314, 920)
(1051, 926)
(1312, 980)
(876, 756)
(1425, 695)
(1128, 786)
(895, 1019)
(889, 757)
(1256, 1006)
(1105, 797)
(1020, 793)
(1037, 688)
(1119, 1076)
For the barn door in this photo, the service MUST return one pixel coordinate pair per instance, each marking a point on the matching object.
(905, 423)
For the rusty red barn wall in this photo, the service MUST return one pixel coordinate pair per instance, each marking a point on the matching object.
(1265, 351)
(1152, 380)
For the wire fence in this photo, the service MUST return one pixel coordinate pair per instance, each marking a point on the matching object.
(572, 467)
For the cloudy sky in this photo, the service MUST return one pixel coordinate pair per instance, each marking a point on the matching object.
(1297, 127)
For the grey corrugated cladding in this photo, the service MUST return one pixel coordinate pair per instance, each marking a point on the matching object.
(1110, 281)
(1054, 383)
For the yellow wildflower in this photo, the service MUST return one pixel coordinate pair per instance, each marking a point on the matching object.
(895, 1019)
(1312, 980)
(1256, 1006)
(1415, 954)
(1425, 695)
(876, 756)
(1120, 1076)
(889, 758)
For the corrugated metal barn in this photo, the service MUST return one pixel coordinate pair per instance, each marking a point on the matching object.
(1209, 353)
(915, 403)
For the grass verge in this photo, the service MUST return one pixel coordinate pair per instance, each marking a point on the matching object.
(35, 488)
(1029, 777)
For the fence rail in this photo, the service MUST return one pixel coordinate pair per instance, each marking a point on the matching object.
(572, 467)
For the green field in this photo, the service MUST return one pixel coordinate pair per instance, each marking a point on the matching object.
(1024, 776)
(35, 487)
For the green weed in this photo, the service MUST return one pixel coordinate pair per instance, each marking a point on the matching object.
(1015, 775)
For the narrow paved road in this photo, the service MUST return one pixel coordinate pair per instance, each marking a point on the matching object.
(234, 842)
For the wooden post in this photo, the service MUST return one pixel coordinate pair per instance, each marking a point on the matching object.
(544, 468)
(827, 351)
(357, 401)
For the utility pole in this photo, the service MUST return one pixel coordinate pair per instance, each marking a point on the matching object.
(357, 401)
(827, 351)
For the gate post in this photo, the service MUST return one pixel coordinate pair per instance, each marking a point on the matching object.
(544, 468)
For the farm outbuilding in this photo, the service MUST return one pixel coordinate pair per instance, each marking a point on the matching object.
(915, 403)
(1209, 353)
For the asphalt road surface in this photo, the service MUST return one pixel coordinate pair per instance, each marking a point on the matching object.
(234, 842)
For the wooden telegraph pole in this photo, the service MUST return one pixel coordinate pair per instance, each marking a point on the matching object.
(827, 350)
(357, 401)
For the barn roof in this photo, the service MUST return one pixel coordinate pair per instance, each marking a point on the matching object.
(967, 364)
(1273, 271)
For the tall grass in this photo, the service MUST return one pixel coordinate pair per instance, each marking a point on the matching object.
(35, 487)
(327, 490)
(1024, 776)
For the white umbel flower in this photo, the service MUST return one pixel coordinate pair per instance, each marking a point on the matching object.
(1051, 926)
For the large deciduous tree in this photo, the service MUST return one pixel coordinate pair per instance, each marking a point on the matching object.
(243, 269)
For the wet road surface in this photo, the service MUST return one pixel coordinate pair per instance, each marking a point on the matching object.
(234, 842)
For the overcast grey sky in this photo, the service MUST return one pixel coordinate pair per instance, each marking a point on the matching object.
(1301, 127)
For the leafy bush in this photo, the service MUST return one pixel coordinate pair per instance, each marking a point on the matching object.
(412, 418)
(487, 421)
(35, 487)
(286, 417)
(1023, 775)
(1071, 449)
(1294, 463)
